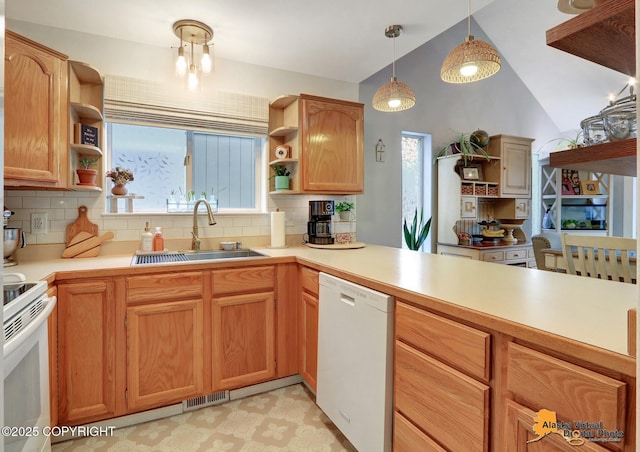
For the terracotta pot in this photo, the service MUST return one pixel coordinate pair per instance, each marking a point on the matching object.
(119, 189)
(86, 176)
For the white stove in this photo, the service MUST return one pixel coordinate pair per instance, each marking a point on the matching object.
(26, 308)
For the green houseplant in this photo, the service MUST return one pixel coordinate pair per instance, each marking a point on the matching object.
(415, 235)
(470, 145)
(344, 209)
(281, 177)
(87, 175)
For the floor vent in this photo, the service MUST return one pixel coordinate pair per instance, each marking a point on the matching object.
(203, 401)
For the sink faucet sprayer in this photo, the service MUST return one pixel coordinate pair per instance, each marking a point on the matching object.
(195, 243)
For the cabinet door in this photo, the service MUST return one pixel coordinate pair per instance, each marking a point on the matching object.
(36, 114)
(86, 351)
(243, 339)
(519, 435)
(165, 353)
(468, 207)
(309, 352)
(516, 169)
(332, 137)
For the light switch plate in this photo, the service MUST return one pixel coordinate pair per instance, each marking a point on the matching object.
(39, 223)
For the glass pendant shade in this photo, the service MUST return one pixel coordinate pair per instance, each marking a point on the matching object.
(181, 63)
(205, 62)
(471, 61)
(394, 96)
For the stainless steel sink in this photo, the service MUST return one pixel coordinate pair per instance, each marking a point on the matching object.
(186, 256)
(220, 254)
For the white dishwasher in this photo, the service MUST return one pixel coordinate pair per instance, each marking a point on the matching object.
(355, 368)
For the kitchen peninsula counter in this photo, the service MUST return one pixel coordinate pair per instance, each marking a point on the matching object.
(519, 301)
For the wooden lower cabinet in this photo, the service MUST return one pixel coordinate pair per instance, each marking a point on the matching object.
(86, 351)
(243, 339)
(164, 353)
(309, 326)
(243, 326)
(409, 438)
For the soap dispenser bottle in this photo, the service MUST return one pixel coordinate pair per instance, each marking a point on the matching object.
(146, 239)
(158, 240)
(546, 221)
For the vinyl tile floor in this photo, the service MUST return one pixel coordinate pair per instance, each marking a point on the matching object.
(285, 419)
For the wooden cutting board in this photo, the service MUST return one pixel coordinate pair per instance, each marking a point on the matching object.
(85, 245)
(82, 224)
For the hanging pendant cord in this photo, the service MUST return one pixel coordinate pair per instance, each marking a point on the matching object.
(393, 65)
(469, 18)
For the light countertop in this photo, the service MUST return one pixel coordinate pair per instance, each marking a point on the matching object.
(582, 309)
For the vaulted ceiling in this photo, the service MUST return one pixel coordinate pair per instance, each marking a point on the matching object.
(345, 40)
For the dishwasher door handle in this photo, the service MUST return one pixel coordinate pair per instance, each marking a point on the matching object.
(346, 299)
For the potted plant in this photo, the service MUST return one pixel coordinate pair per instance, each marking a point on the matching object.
(86, 175)
(281, 177)
(344, 210)
(415, 235)
(470, 145)
(120, 177)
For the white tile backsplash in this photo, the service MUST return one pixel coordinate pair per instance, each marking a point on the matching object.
(61, 208)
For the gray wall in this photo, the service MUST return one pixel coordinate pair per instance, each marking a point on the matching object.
(501, 104)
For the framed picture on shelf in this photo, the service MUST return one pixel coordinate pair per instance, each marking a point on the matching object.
(590, 187)
(471, 172)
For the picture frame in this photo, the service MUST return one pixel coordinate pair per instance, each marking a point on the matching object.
(589, 187)
(567, 189)
(471, 172)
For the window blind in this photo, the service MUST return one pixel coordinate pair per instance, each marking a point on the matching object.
(145, 102)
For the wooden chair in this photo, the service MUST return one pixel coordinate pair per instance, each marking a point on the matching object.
(600, 257)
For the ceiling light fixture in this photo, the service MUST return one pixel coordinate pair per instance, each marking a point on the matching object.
(196, 34)
(471, 61)
(394, 95)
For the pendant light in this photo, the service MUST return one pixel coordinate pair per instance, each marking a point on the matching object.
(471, 61)
(194, 33)
(394, 95)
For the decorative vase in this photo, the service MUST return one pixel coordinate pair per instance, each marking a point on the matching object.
(119, 189)
(86, 176)
(282, 182)
(345, 215)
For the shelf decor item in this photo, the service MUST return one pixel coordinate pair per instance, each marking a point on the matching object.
(344, 210)
(120, 177)
(85, 134)
(467, 144)
(589, 187)
(86, 175)
(281, 177)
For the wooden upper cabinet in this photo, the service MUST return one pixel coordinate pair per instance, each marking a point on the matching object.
(332, 145)
(36, 114)
(514, 163)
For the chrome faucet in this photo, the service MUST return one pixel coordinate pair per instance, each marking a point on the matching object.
(195, 243)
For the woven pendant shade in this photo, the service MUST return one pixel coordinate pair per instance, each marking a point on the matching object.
(394, 96)
(470, 53)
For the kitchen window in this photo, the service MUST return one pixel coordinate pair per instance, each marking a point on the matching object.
(184, 163)
(186, 144)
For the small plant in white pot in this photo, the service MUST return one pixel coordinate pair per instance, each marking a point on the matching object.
(344, 209)
(86, 175)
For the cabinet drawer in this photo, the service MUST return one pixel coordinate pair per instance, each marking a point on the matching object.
(249, 279)
(573, 392)
(493, 256)
(516, 254)
(427, 392)
(309, 280)
(409, 438)
(164, 287)
(460, 346)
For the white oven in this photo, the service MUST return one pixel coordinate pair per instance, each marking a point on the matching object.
(26, 365)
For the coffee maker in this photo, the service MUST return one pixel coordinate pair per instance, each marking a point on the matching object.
(319, 225)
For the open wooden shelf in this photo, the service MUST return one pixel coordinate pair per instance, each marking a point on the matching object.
(616, 157)
(604, 35)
